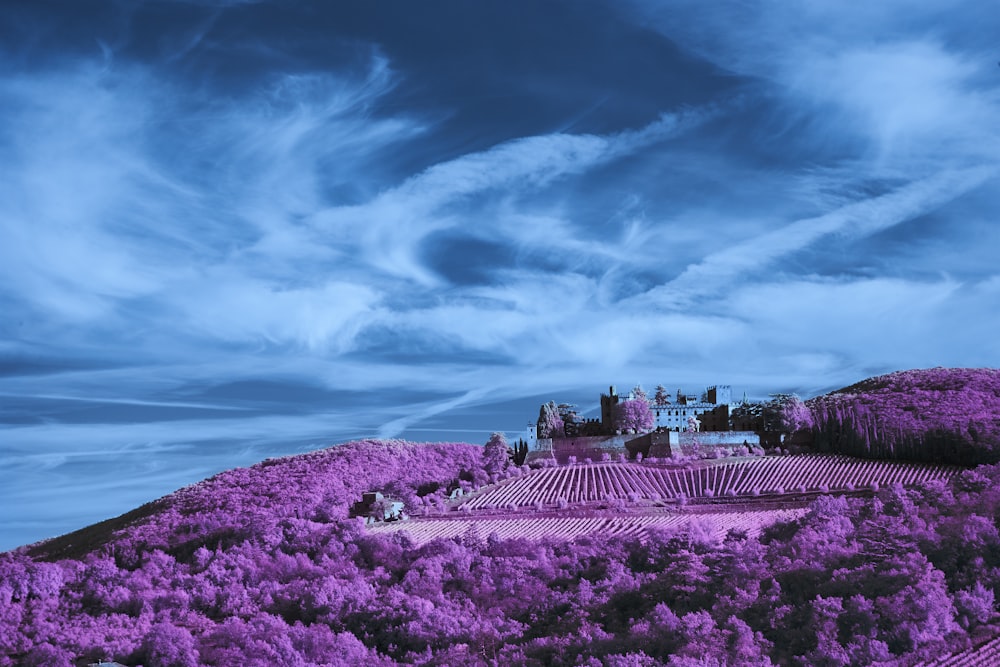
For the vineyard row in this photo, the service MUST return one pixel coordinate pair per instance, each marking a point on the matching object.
(987, 655)
(718, 524)
(625, 481)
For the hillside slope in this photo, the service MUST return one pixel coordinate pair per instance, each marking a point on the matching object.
(948, 415)
(247, 503)
(258, 567)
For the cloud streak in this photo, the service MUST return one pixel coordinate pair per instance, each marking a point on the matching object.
(856, 220)
(219, 244)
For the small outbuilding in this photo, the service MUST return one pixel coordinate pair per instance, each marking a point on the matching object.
(376, 507)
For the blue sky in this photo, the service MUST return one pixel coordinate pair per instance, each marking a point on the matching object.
(233, 230)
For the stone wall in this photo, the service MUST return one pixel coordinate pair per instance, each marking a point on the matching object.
(587, 447)
(659, 444)
(714, 438)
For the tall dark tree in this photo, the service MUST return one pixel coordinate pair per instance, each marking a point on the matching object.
(519, 452)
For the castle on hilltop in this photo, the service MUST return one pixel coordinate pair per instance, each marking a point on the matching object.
(672, 422)
(711, 409)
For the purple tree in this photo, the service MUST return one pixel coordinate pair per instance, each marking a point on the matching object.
(167, 645)
(550, 424)
(495, 454)
(795, 416)
(634, 415)
(662, 396)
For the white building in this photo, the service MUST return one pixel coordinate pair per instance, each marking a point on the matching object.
(674, 416)
(531, 436)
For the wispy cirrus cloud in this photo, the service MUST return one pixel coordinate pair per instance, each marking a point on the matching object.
(181, 214)
(354, 232)
(391, 226)
(858, 219)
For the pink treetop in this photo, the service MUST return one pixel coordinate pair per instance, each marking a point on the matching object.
(662, 396)
(634, 415)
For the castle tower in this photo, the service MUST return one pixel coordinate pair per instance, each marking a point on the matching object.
(720, 394)
(608, 403)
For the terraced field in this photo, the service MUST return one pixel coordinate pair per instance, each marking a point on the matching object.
(746, 478)
(570, 527)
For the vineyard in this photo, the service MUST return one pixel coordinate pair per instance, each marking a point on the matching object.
(987, 655)
(718, 524)
(771, 475)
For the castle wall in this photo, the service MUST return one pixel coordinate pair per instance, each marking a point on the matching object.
(542, 445)
(659, 444)
(717, 438)
(586, 447)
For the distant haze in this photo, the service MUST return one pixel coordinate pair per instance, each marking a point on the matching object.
(235, 229)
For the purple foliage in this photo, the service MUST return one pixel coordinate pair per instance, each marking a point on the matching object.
(634, 415)
(496, 454)
(942, 414)
(244, 569)
(169, 645)
(550, 422)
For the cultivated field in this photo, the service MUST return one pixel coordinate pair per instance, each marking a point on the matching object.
(569, 527)
(987, 655)
(745, 478)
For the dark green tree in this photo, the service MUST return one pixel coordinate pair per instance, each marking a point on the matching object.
(519, 452)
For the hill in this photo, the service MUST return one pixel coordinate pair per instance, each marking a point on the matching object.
(947, 415)
(248, 503)
(263, 566)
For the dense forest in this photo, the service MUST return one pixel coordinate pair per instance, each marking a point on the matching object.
(262, 566)
(947, 415)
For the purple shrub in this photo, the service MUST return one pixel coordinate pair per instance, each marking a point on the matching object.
(975, 605)
(47, 655)
(167, 645)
